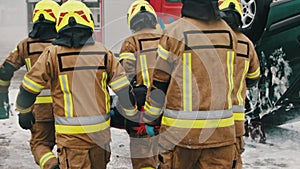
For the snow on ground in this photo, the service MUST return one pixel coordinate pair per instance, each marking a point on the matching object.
(281, 151)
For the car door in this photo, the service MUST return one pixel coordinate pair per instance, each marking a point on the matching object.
(278, 50)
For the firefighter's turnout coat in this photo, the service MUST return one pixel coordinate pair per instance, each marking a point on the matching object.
(138, 56)
(195, 72)
(27, 53)
(42, 140)
(79, 80)
(246, 68)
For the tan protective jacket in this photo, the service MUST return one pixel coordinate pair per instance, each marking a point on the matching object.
(26, 53)
(79, 85)
(138, 55)
(196, 58)
(246, 66)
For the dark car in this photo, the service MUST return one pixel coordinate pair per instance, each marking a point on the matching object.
(274, 27)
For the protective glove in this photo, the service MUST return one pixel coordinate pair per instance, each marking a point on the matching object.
(150, 130)
(4, 105)
(116, 119)
(140, 93)
(26, 120)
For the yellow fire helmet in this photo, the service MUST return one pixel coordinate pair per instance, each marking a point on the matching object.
(47, 8)
(223, 4)
(76, 9)
(137, 7)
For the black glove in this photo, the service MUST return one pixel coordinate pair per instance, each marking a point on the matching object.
(4, 105)
(26, 120)
(117, 120)
(140, 93)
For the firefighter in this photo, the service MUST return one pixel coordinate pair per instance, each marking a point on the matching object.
(26, 53)
(137, 56)
(246, 74)
(191, 88)
(79, 71)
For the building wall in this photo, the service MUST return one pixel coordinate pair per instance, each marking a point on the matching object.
(115, 23)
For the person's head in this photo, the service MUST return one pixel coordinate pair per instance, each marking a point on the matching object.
(44, 18)
(206, 10)
(232, 16)
(75, 24)
(141, 15)
(74, 14)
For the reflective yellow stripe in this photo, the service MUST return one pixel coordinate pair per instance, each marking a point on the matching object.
(127, 55)
(4, 83)
(163, 53)
(28, 64)
(217, 123)
(130, 112)
(254, 75)
(31, 85)
(119, 83)
(239, 116)
(68, 129)
(68, 100)
(43, 100)
(154, 111)
(104, 89)
(187, 82)
(23, 110)
(230, 71)
(144, 70)
(46, 157)
(239, 92)
(147, 168)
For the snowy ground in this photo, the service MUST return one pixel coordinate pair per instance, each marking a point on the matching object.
(282, 150)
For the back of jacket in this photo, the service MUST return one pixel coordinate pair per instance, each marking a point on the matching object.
(246, 66)
(196, 60)
(27, 53)
(138, 55)
(79, 85)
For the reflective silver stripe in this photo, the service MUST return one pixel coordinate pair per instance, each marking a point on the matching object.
(144, 68)
(30, 84)
(237, 108)
(89, 120)
(130, 112)
(4, 83)
(45, 158)
(104, 89)
(255, 74)
(154, 111)
(68, 102)
(198, 115)
(230, 65)
(163, 53)
(187, 82)
(127, 55)
(45, 92)
(28, 64)
(119, 83)
(239, 96)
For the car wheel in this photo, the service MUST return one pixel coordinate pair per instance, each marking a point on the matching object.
(254, 17)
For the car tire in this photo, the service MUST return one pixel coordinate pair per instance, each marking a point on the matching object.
(255, 13)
